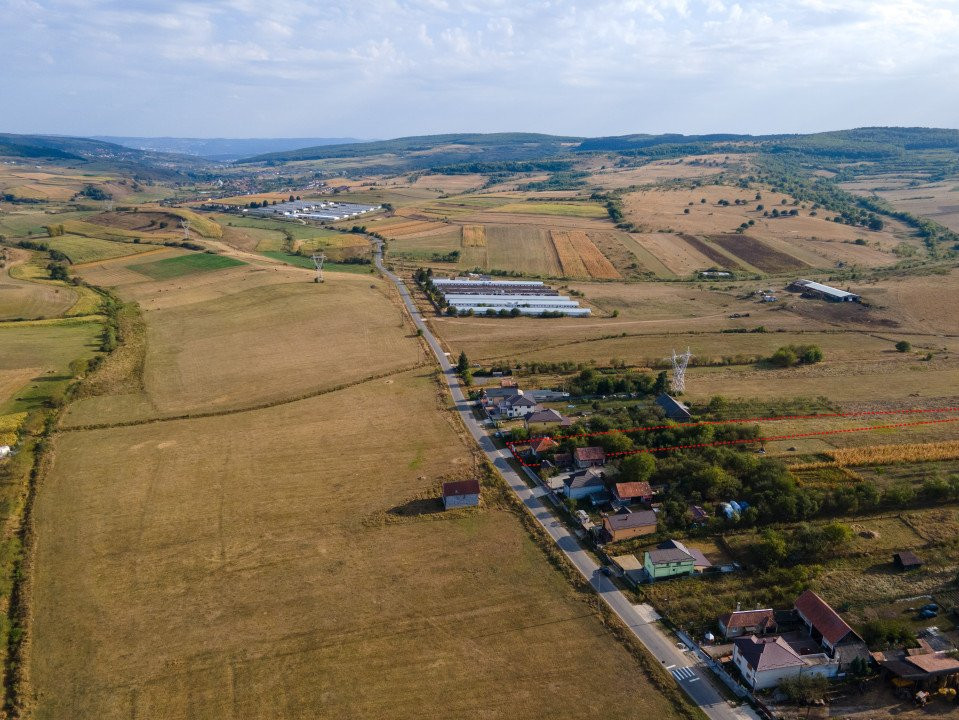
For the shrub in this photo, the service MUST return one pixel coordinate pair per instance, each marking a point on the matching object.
(903, 346)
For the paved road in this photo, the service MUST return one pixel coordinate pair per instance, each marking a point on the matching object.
(693, 677)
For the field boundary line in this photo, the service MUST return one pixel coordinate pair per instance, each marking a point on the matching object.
(244, 409)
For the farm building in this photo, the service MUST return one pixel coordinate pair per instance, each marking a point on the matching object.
(485, 296)
(747, 622)
(907, 560)
(589, 457)
(766, 662)
(326, 210)
(673, 409)
(461, 493)
(623, 526)
(811, 288)
(826, 626)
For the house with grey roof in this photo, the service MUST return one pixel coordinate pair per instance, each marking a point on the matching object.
(766, 662)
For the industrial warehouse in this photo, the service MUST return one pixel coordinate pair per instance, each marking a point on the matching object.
(528, 297)
(810, 288)
(313, 210)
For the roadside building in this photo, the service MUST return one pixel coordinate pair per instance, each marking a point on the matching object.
(673, 409)
(825, 626)
(586, 457)
(517, 406)
(766, 662)
(541, 420)
(584, 483)
(668, 561)
(747, 622)
(629, 492)
(623, 526)
(461, 493)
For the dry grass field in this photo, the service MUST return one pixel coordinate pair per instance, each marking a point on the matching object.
(808, 239)
(938, 201)
(289, 561)
(687, 168)
(220, 340)
(25, 298)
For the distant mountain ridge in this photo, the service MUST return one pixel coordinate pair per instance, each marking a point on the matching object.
(220, 149)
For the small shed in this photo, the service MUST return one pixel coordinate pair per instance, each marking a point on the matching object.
(906, 560)
(585, 457)
(4, 451)
(461, 493)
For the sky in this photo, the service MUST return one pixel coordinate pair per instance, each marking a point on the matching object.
(389, 68)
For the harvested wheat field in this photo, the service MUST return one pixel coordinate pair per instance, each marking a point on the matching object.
(812, 238)
(289, 561)
(474, 236)
(579, 256)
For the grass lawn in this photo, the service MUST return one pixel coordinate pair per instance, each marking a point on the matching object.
(184, 265)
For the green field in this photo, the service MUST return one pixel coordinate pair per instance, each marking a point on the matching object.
(299, 232)
(82, 249)
(184, 265)
(36, 357)
(305, 262)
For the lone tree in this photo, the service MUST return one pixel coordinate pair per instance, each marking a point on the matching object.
(462, 364)
(903, 346)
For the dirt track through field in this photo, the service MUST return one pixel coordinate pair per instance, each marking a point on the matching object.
(245, 409)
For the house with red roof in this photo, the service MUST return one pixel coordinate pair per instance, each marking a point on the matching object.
(627, 492)
(585, 457)
(541, 446)
(825, 626)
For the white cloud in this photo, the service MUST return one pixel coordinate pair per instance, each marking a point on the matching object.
(552, 65)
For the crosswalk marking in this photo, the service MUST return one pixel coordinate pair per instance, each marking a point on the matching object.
(684, 673)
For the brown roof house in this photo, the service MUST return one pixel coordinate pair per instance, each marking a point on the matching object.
(826, 626)
(623, 526)
(542, 419)
(585, 457)
(632, 491)
(747, 622)
(461, 493)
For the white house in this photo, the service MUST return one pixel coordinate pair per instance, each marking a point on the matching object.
(462, 493)
(765, 662)
(517, 406)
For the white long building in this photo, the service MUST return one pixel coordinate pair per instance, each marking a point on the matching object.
(526, 296)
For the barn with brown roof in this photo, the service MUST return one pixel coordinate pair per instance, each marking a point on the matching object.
(827, 627)
(748, 622)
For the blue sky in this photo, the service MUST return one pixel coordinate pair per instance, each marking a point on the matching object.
(386, 68)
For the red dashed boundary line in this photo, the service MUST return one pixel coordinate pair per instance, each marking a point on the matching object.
(747, 441)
